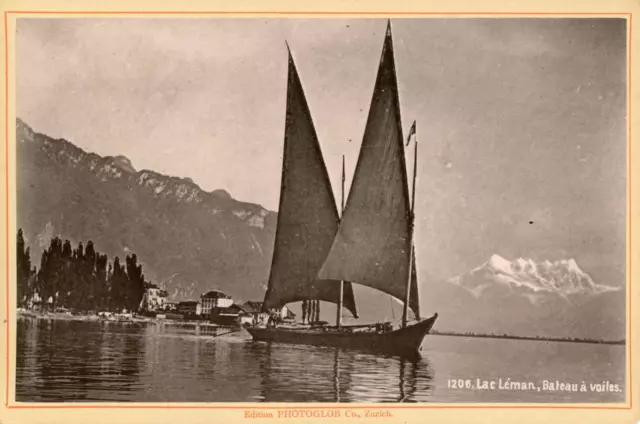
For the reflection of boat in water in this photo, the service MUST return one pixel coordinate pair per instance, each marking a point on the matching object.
(336, 374)
(318, 255)
(407, 386)
(339, 375)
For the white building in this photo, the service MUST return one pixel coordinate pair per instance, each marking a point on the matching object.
(254, 309)
(214, 299)
(154, 298)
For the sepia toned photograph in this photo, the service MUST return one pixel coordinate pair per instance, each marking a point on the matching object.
(337, 210)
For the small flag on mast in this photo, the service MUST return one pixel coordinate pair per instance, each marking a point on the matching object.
(412, 132)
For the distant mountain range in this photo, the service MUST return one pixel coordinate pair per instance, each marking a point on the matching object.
(191, 241)
(523, 297)
(533, 281)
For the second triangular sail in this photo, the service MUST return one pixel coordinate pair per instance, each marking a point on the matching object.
(373, 245)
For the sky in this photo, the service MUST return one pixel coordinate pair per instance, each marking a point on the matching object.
(521, 122)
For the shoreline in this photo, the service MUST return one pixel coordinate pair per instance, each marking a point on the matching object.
(62, 316)
(531, 338)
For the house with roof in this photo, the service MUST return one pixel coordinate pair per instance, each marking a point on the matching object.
(154, 298)
(188, 308)
(253, 314)
(214, 299)
(226, 315)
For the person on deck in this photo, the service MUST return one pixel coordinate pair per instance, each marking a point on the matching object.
(271, 323)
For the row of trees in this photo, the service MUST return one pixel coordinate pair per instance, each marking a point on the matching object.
(78, 278)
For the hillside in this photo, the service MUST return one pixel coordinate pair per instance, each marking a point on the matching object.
(189, 240)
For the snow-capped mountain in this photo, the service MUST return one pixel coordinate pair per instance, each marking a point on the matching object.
(524, 297)
(562, 277)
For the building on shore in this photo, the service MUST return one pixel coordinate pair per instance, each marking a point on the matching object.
(218, 307)
(214, 299)
(189, 308)
(154, 298)
(229, 315)
(252, 313)
(36, 302)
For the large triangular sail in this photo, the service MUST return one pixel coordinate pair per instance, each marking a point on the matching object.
(373, 243)
(307, 217)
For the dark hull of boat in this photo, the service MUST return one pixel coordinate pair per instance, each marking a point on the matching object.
(406, 340)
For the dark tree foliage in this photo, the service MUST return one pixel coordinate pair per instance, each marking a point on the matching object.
(136, 284)
(25, 274)
(80, 279)
(101, 291)
(117, 283)
(50, 275)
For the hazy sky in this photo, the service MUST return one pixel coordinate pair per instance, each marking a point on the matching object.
(519, 120)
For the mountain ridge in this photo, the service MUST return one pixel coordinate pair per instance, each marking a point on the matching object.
(64, 190)
(66, 153)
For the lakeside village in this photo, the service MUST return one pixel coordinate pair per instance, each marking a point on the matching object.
(80, 283)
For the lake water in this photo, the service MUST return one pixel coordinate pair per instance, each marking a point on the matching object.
(108, 361)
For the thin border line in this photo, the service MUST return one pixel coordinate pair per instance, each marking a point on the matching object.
(629, 197)
(629, 15)
(325, 406)
(226, 12)
(6, 152)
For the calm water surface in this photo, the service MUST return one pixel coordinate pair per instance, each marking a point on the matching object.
(107, 361)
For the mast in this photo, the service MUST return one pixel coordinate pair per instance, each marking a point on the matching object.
(405, 309)
(339, 312)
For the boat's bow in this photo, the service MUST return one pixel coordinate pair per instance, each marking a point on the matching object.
(410, 338)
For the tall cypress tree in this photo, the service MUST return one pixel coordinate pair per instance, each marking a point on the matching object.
(50, 274)
(136, 285)
(67, 275)
(119, 284)
(78, 282)
(33, 281)
(41, 280)
(23, 271)
(89, 275)
(109, 283)
(101, 289)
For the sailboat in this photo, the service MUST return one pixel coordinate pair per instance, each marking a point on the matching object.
(318, 255)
